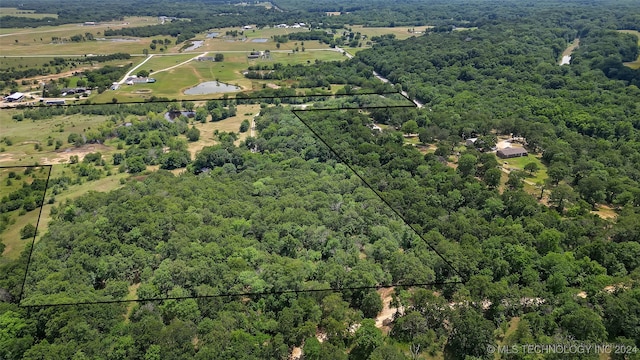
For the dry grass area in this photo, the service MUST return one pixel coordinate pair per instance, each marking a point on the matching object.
(25, 134)
(574, 45)
(605, 212)
(385, 317)
(30, 42)
(31, 14)
(232, 124)
(401, 32)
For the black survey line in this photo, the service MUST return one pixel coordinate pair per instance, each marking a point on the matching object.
(21, 166)
(33, 242)
(162, 101)
(377, 193)
(356, 108)
(247, 294)
(294, 111)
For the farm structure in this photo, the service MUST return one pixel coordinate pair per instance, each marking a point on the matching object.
(510, 152)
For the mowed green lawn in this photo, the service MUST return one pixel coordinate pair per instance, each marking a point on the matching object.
(520, 162)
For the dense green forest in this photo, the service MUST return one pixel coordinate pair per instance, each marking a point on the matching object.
(298, 236)
(289, 217)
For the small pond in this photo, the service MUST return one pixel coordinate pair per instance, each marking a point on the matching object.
(212, 35)
(211, 87)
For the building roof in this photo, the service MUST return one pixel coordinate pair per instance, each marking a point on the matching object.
(512, 151)
(15, 96)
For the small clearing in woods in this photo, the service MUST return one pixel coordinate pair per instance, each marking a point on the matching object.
(296, 353)
(80, 152)
(385, 317)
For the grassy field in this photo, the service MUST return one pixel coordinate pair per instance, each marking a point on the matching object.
(401, 32)
(231, 124)
(174, 82)
(29, 42)
(519, 164)
(164, 61)
(7, 11)
(633, 64)
(25, 134)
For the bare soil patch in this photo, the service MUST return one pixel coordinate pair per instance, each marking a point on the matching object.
(65, 155)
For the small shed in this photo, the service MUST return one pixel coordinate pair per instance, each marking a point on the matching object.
(511, 152)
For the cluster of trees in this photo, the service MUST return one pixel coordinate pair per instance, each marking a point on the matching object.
(28, 197)
(584, 124)
(322, 75)
(8, 75)
(118, 112)
(284, 212)
(288, 216)
(100, 79)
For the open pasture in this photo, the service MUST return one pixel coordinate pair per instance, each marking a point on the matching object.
(172, 83)
(30, 42)
(221, 45)
(231, 124)
(24, 135)
(401, 32)
(160, 62)
(7, 11)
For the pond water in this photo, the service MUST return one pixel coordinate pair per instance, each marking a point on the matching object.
(212, 35)
(260, 40)
(211, 87)
(194, 45)
(171, 116)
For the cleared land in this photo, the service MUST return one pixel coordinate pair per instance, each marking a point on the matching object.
(174, 82)
(159, 62)
(7, 11)
(27, 133)
(402, 32)
(232, 124)
(519, 163)
(30, 42)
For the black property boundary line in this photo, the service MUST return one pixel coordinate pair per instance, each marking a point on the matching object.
(257, 294)
(366, 183)
(33, 241)
(247, 294)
